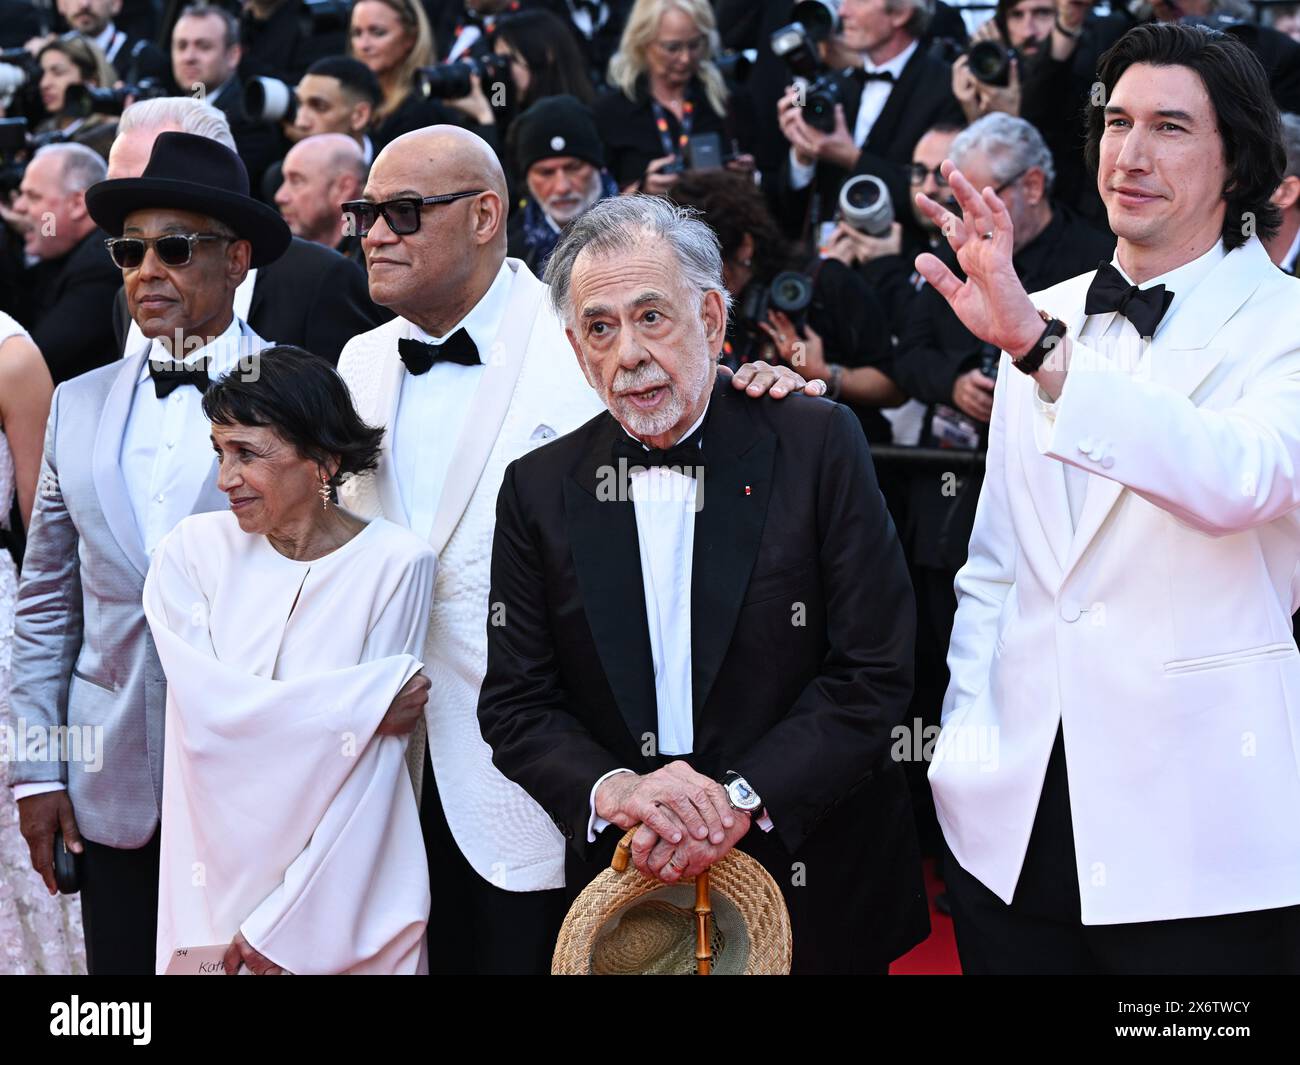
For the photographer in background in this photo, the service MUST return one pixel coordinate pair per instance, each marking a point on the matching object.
(945, 366)
(555, 146)
(321, 172)
(67, 299)
(987, 77)
(664, 91)
(282, 38)
(132, 58)
(898, 93)
(832, 328)
(338, 95)
(74, 60)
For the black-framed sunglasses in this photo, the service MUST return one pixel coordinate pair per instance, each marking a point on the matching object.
(173, 249)
(402, 214)
(919, 172)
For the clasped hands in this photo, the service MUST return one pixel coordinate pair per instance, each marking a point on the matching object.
(686, 822)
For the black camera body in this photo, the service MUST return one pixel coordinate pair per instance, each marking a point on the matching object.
(797, 47)
(990, 62)
(703, 152)
(82, 101)
(790, 292)
(451, 81)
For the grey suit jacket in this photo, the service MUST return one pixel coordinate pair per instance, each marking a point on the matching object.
(83, 656)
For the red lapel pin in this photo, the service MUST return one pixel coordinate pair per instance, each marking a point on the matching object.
(748, 491)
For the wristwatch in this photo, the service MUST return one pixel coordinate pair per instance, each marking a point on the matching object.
(741, 796)
(1053, 333)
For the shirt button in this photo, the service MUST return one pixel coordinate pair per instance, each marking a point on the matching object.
(1070, 611)
(1086, 445)
(1107, 463)
(158, 498)
(171, 443)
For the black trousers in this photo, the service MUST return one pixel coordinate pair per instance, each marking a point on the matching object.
(119, 908)
(476, 927)
(1041, 931)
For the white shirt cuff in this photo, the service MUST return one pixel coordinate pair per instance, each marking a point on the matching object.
(763, 821)
(26, 791)
(596, 823)
(801, 175)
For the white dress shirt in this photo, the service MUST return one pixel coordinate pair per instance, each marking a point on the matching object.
(664, 501)
(432, 408)
(875, 94)
(1119, 336)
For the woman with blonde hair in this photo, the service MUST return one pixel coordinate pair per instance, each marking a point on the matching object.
(75, 60)
(665, 89)
(394, 39)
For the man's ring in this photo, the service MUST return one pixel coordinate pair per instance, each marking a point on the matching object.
(673, 862)
(988, 235)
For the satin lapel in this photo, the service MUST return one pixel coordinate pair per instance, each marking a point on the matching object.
(496, 386)
(391, 372)
(601, 525)
(1180, 357)
(739, 454)
(106, 461)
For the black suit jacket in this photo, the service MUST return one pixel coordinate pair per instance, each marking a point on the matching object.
(69, 308)
(802, 625)
(921, 98)
(311, 297)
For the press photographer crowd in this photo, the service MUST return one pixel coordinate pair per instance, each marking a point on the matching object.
(675, 486)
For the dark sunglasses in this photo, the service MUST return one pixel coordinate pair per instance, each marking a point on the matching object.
(919, 171)
(174, 249)
(402, 215)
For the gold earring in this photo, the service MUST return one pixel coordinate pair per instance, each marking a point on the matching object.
(324, 492)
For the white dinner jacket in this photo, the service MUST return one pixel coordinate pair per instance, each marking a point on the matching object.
(1157, 632)
(531, 391)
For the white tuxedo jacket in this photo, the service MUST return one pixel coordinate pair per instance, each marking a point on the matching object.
(1158, 632)
(531, 391)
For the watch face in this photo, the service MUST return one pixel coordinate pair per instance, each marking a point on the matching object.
(742, 795)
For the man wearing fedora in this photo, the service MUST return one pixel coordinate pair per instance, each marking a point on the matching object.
(704, 621)
(127, 456)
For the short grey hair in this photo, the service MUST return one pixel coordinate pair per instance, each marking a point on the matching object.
(1291, 142)
(922, 13)
(191, 115)
(80, 168)
(1011, 145)
(621, 224)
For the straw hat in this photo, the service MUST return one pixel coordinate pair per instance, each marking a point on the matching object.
(625, 923)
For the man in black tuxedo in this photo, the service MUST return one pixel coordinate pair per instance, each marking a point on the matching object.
(706, 622)
(311, 296)
(133, 57)
(898, 93)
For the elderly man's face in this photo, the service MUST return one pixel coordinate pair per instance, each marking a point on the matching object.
(1161, 167)
(271, 487)
(644, 340)
(565, 186)
(130, 152)
(866, 24)
(308, 199)
(54, 220)
(409, 272)
(194, 299)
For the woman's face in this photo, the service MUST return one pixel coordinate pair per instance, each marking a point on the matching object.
(57, 73)
(520, 74)
(378, 38)
(674, 56)
(271, 487)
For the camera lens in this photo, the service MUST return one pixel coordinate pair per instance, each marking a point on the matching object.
(990, 63)
(791, 292)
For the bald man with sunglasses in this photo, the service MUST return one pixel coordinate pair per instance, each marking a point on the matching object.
(473, 373)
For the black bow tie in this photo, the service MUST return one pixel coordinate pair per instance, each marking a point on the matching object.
(686, 455)
(458, 348)
(862, 76)
(1144, 307)
(167, 380)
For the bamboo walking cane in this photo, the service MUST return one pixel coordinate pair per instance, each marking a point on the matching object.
(703, 906)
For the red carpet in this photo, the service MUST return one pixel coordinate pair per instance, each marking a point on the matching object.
(937, 955)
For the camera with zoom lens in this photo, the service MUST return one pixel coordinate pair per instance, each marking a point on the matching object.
(451, 81)
(82, 101)
(790, 292)
(990, 62)
(797, 45)
(270, 100)
(865, 204)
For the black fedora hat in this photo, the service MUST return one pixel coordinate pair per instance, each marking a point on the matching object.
(196, 174)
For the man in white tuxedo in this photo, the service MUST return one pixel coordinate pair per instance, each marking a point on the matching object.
(1125, 610)
(473, 373)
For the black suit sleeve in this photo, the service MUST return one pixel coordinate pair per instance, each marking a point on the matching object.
(842, 720)
(522, 708)
(75, 331)
(341, 309)
(121, 320)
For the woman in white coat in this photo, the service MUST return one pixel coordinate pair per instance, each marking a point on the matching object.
(288, 630)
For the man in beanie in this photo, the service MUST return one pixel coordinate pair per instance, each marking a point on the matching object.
(559, 154)
(127, 456)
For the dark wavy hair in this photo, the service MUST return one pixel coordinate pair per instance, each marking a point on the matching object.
(1244, 111)
(732, 206)
(302, 398)
(550, 48)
